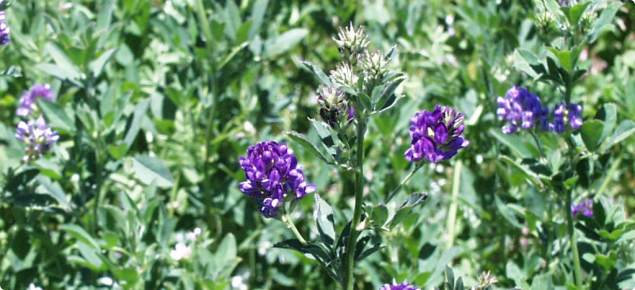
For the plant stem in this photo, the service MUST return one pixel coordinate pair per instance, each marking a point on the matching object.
(214, 91)
(533, 134)
(359, 192)
(289, 222)
(572, 239)
(404, 181)
(456, 185)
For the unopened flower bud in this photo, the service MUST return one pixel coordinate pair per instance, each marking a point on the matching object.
(343, 76)
(375, 66)
(351, 42)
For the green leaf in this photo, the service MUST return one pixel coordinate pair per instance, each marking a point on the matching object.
(284, 42)
(623, 131)
(609, 115)
(378, 214)
(304, 141)
(524, 60)
(135, 125)
(376, 96)
(327, 136)
(105, 14)
(54, 190)
(56, 116)
(60, 73)
(117, 151)
(605, 19)
(576, 12)
(319, 73)
(591, 132)
(565, 59)
(513, 142)
(149, 169)
(413, 200)
(128, 274)
(525, 170)
(80, 234)
(97, 66)
(325, 221)
(62, 60)
(12, 71)
(257, 17)
(388, 92)
(231, 54)
(110, 240)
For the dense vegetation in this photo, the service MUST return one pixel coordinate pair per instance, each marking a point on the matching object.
(444, 139)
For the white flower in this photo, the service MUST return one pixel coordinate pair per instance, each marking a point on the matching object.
(181, 251)
(33, 287)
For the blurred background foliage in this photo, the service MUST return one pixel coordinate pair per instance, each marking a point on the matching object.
(156, 100)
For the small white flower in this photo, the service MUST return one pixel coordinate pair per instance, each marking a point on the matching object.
(238, 283)
(33, 287)
(181, 251)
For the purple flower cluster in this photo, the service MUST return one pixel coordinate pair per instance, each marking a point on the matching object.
(4, 29)
(521, 109)
(272, 172)
(402, 286)
(585, 207)
(436, 135)
(38, 136)
(524, 110)
(560, 112)
(29, 99)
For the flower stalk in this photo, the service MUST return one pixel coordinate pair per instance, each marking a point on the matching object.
(359, 192)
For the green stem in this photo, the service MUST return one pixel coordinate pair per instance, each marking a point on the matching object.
(533, 134)
(213, 90)
(286, 219)
(572, 239)
(359, 192)
(456, 185)
(404, 181)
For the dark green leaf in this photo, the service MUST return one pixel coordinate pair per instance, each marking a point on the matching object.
(97, 66)
(576, 12)
(325, 221)
(319, 73)
(413, 200)
(591, 132)
(54, 190)
(513, 142)
(80, 234)
(135, 125)
(388, 92)
(304, 141)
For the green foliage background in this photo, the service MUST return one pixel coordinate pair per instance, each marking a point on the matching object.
(156, 101)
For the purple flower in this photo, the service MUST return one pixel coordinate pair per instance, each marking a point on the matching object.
(4, 29)
(29, 99)
(563, 114)
(273, 173)
(38, 136)
(402, 286)
(585, 207)
(436, 135)
(522, 110)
